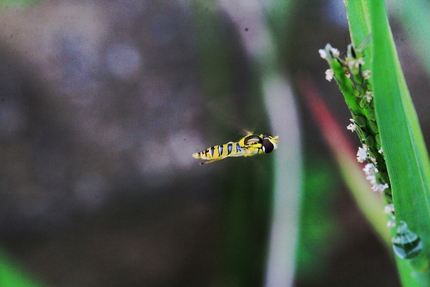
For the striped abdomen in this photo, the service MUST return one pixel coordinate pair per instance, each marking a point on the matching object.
(220, 151)
(247, 146)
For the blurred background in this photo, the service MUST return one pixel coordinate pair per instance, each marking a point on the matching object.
(102, 104)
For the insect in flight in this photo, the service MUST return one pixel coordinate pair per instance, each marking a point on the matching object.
(249, 145)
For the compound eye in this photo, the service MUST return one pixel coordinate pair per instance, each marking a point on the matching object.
(252, 139)
(267, 145)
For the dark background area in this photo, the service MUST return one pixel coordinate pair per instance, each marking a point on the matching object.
(102, 104)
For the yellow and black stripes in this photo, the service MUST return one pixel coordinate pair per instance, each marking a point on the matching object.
(220, 151)
(247, 146)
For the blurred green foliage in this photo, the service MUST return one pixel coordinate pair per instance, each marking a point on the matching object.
(11, 275)
(319, 230)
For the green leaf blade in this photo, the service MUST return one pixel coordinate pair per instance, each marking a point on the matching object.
(359, 23)
(401, 136)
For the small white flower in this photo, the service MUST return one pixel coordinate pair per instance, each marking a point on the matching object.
(329, 75)
(361, 154)
(354, 63)
(351, 127)
(381, 150)
(391, 223)
(369, 96)
(335, 52)
(347, 74)
(370, 169)
(389, 209)
(323, 54)
(371, 179)
(379, 187)
(367, 74)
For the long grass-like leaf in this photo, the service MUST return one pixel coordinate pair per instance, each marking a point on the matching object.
(404, 148)
(400, 134)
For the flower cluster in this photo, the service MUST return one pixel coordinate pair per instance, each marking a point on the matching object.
(355, 83)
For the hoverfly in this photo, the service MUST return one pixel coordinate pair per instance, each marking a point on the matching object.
(249, 145)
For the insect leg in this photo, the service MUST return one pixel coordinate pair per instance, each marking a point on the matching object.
(210, 161)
